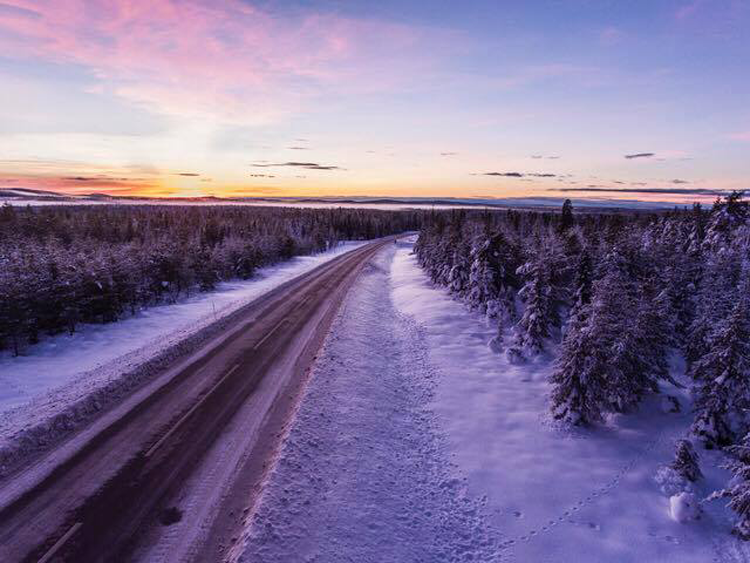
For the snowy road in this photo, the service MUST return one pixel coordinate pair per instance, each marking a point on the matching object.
(119, 478)
(61, 370)
(364, 474)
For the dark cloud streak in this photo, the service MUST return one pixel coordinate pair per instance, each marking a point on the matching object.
(520, 174)
(640, 155)
(306, 165)
(675, 191)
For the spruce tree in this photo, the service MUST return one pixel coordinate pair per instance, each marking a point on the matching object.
(601, 368)
(738, 489)
(722, 377)
(566, 217)
(540, 296)
(686, 461)
(490, 277)
(576, 396)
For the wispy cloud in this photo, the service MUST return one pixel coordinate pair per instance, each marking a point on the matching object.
(675, 191)
(640, 155)
(743, 136)
(13, 11)
(519, 174)
(224, 59)
(503, 174)
(306, 165)
(81, 184)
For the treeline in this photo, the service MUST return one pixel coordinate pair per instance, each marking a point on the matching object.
(609, 297)
(61, 266)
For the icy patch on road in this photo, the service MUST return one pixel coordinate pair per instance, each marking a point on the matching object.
(65, 379)
(363, 474)
(586, 495)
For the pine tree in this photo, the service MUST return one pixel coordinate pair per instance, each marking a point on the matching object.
(65, 266)
(459, 273)
(577, 381)
(721, 274)
(584, 278)
(566, 218)
(738, 490)
(722, 376)
(601, 368)
(540, 314)
(490, 277)
(686, 461)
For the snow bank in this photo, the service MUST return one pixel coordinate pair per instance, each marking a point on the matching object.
(556, 494)
(66, 379)
(683, 507)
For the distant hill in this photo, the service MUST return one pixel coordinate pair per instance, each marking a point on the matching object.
(22, 195)
(26, 193)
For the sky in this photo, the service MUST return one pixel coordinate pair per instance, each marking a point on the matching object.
(644, 99)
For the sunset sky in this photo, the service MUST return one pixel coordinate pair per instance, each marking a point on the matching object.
(639, 99)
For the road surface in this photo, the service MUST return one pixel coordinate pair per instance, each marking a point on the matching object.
(96, 501)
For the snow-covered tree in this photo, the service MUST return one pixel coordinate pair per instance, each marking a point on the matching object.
(578, 395)
(601, 368)
(62, 266)
(686, 461)
(566, 216)
(491, 277)
(726, 217)
(459, 274)
(720, 276)
(722, 377)
(541, 297)
(738, 489)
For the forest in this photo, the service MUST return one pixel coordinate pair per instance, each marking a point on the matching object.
(61, 266)
(609, 299)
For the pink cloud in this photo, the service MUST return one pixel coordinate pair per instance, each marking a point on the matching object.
(227, 58)
(740, 136)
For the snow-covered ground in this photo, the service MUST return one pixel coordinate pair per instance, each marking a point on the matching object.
(364, 474)
(554, 494)
(416, 442)
(64, 368)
